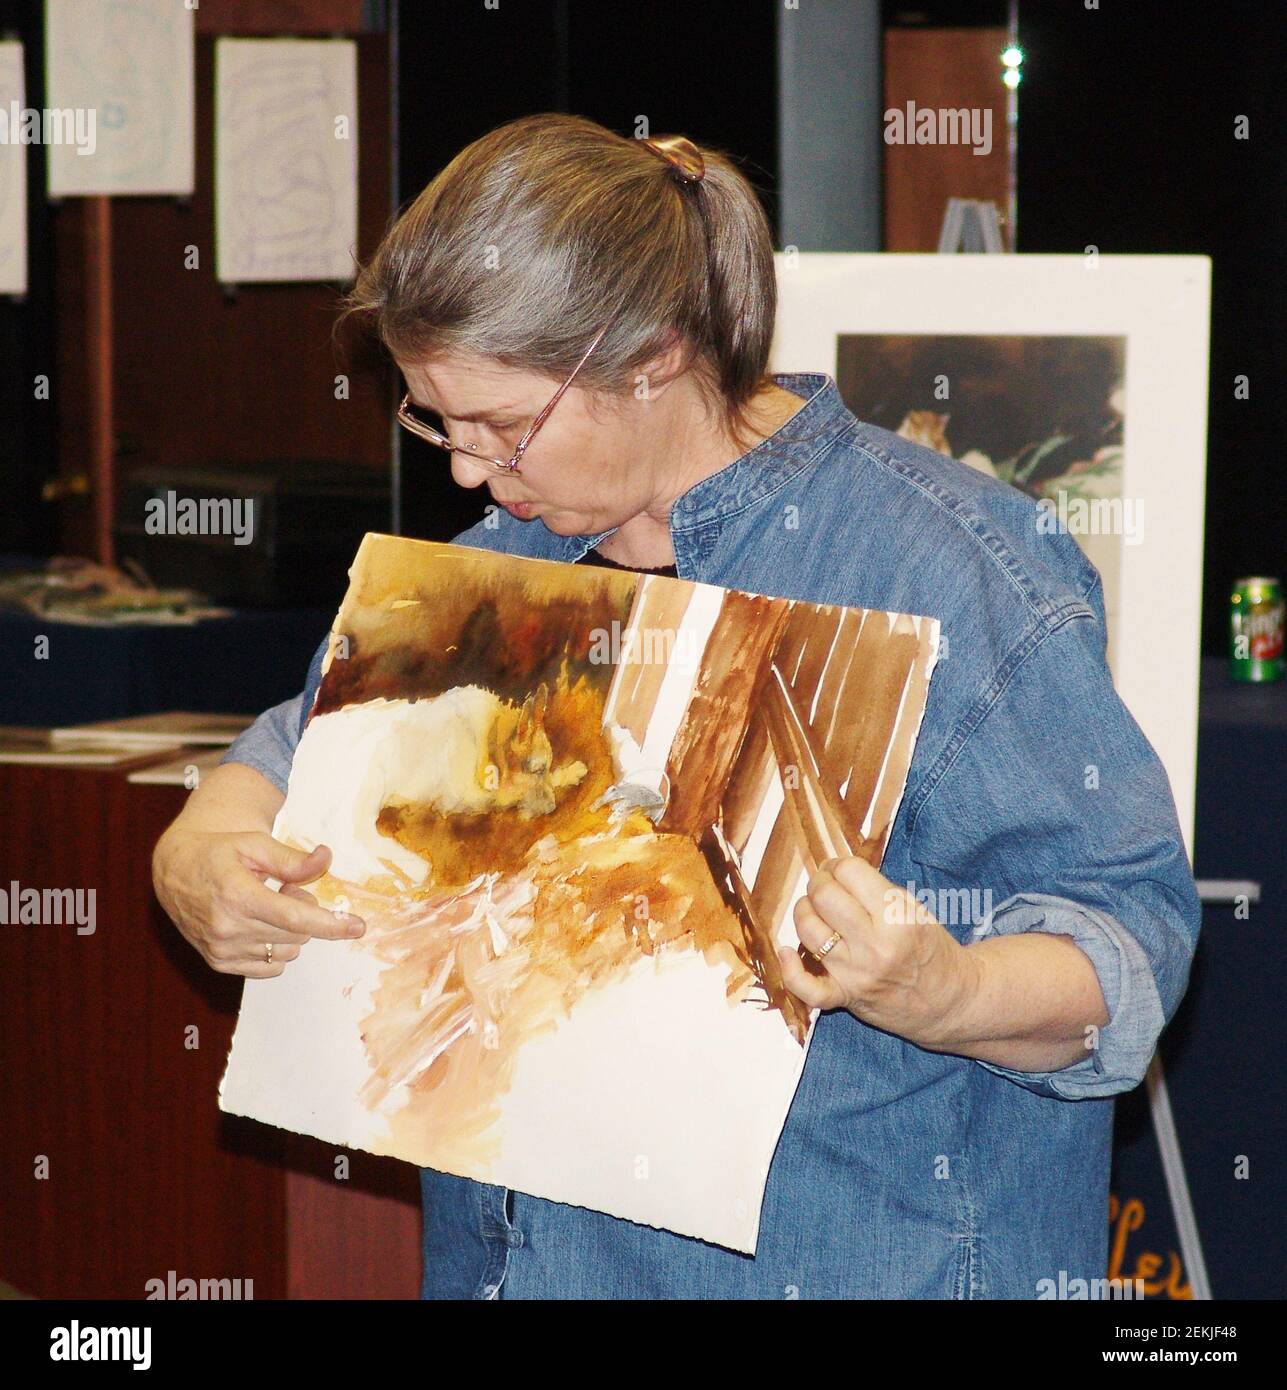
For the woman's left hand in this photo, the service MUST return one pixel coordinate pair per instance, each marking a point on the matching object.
(892, 964)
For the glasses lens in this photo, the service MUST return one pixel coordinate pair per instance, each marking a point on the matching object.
(426, 419)
(415, 419)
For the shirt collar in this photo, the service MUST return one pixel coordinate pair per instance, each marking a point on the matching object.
(772, 461)
(759, 471)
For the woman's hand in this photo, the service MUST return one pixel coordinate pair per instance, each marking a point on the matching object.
(1031, 1002)
(893, 965)
(212, 886)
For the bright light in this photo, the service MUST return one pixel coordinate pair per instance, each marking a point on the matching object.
(1011, 78)
(1012, 57)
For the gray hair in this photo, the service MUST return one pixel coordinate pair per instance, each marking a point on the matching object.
(525, 244)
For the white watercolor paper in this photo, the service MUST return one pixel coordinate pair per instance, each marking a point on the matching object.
(13, 176)
(123, 69)
(574, 808)
(285, 159)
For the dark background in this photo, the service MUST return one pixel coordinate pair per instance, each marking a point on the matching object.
(1125, 143)
(707, 71)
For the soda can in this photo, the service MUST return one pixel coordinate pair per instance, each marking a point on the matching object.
(1256, 630)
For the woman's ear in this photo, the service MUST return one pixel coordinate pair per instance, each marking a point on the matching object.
(663, 367)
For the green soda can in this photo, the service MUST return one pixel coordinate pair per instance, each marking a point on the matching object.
(1256, 630)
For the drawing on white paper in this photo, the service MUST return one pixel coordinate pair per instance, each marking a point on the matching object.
(126, 66)
(285, 159)
(13, 178)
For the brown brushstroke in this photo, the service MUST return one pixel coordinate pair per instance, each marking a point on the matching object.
(659, 608)
(820, 624)
(758, 938)
(838, 727)
(752, 776)
(833, 681)
(734, 668)
(422, 618)
(847, 722)
(894, 777)
(882, 688)
(779, 870)
(813, 806)
(791, 645)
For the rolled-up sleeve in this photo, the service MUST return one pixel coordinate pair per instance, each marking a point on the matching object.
(1118, 1054)
(1057, 809)
(269, 744)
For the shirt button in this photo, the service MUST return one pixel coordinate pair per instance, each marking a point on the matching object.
(513, 1238)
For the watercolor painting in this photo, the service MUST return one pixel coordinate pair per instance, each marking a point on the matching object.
(1046, 414)
(575, 807)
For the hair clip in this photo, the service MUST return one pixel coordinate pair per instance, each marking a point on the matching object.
(684, 158)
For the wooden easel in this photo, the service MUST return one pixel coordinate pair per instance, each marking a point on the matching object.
(970, 224)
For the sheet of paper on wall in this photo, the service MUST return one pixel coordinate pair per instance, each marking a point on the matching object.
(13, 174)
(120, 83)
(575, 808)
(285, 159)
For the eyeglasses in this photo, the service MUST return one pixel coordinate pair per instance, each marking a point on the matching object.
(408, 420)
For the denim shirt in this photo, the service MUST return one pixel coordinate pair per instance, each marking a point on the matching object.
(1032, 794)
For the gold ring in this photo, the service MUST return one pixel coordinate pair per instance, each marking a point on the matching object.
(828, 945)
(268, 951)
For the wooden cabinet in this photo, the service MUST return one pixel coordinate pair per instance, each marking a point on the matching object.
(112, 1044)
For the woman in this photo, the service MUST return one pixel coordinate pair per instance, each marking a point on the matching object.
(950, 1136)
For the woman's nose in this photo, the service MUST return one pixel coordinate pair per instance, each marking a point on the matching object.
(468, 472)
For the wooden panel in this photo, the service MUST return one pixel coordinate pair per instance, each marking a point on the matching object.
(97, 1077)
(941, 69)
(346, 1241)
(279, 17)
(146, 1175)
(206, 377)
(70, 388)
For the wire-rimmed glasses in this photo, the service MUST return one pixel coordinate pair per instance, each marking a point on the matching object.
(408, 420)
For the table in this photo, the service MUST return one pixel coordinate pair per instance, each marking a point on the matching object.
(241, 664)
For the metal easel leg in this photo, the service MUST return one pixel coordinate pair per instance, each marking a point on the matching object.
(1177, 1184)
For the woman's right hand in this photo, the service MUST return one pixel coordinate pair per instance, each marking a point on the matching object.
(212, 885)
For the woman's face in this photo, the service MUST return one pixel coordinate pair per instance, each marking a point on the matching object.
(582, 474)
